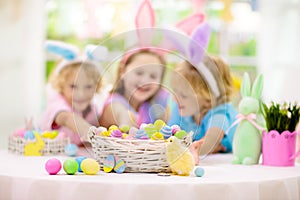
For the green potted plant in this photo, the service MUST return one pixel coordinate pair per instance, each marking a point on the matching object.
(279, 138)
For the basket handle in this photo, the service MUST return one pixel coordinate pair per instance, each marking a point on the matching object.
(188, 139)
(91, 133)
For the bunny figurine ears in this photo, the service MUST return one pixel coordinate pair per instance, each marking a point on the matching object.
(257, 87)
(71, 54)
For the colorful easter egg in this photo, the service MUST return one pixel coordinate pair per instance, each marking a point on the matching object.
(125, 135)
(119, 166)
(29, 135)
(62, 135)
(142, 135)
(175, 128)
(166, 131)
(157, 136)
(20, 132)
(99, 130)
(150, 129)
(105, 133)
(180, 134)
(116, 133)
(90, 166)
(53, 166)
(143, 125)
(79, 161)
(124, 128)
(159, 124)
(109, 163)
(132, 132)
(113, 127)
(50, 134)
(199, 171)
(71, 149)
(70, 166)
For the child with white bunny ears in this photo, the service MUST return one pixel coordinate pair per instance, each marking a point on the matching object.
(70, 100)
(202, 86)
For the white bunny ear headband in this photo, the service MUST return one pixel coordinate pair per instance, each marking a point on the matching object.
(71, 54)
(193, 49)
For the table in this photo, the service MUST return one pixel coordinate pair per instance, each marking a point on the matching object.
(25, 178)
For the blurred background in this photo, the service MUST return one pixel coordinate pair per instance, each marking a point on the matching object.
(257, 36)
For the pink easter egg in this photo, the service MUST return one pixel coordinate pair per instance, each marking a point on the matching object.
(53, 166)
(62, 134)
(20, 132)
(175, 128)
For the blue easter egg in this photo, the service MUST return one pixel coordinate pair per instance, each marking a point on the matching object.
(119, 166)
(79, 161)
(141, 134)
(166, 131)
(29, 135)
(199, 171)
(71, 149)
(109, 163)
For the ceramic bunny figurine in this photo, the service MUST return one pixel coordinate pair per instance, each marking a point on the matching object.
(247, 140)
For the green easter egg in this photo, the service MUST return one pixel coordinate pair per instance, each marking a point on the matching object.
(150, 129)
(124, 128)
(70, 166)
(180, 134)
(159, 124)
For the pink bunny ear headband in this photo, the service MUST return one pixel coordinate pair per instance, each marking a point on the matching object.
(193, 49)
(144, 23)
(145, 31)
(93, 54)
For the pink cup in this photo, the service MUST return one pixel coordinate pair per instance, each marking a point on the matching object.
(279, 149)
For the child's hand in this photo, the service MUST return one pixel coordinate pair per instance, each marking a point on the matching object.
(195, 150)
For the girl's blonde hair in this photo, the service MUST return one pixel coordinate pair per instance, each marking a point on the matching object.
(127, 59)
(221, 72)
(58, 80)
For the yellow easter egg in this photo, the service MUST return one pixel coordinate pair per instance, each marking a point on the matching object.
(90, 166)
(159, 124)
(105, 133)
(124, 135)
(50, 134)
(113, 127)
(157, 136)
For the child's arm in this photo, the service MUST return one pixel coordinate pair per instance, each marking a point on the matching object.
(74, 122)
(116, 114)
(210, 143)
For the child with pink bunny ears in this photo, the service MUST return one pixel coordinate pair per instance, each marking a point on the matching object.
(202, 85)
(137, 96)
(70, 100)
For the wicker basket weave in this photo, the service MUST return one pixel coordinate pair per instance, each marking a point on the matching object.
(52, 146)
(138, 155)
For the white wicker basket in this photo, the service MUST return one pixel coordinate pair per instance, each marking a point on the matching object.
(138, 155)
(52, 146)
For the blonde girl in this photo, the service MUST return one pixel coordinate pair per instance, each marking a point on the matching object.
(200, 111)
(70, 102)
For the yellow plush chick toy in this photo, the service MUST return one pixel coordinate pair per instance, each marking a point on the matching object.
(179, 158)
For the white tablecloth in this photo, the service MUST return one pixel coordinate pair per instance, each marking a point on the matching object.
(25, 178)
